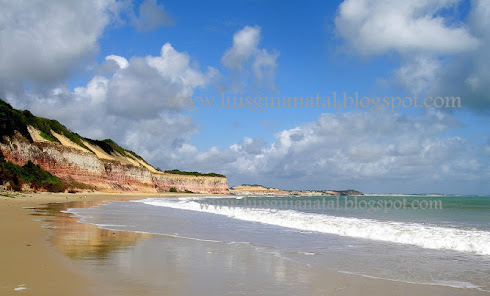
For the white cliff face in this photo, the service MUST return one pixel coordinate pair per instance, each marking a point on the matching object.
(104, 174)
(197, 184)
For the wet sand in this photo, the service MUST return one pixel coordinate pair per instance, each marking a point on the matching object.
(29, 264)
(48, 252)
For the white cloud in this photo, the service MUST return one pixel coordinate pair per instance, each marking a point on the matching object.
(142, 88)
(43, 41)
(378, 26)
(245, 53)
(128, 103)
(245, 44)
(439, 56)
(121, 62)
(469, 74)
(390, 151)
(163, 140)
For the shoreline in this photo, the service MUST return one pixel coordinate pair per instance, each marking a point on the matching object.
(33, 263)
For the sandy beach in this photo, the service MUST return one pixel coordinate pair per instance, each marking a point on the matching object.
(29, 262)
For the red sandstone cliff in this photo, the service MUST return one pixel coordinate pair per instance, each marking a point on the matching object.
(85, 163)
(106, 172)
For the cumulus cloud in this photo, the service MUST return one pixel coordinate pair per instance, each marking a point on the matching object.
(377, 26)
(439, 56)
(245, 44)
(389, 151)
(43, 41)
(151, 16)
(245, 54)
(469, 74)
(128, 102)
(143, 87)
(162, 140)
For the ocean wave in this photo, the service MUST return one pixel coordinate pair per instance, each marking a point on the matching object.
(425, 236)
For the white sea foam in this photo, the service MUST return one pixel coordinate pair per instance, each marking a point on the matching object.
(425, 236)
(307, 253)
(20, 287)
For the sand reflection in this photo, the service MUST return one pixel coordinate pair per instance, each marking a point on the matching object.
(80, 240)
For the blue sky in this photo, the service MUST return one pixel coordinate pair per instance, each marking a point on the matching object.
(105, 69)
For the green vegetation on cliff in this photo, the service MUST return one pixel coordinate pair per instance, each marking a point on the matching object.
(12, 120)
(109, 147)
(178, 172)
(29, 173)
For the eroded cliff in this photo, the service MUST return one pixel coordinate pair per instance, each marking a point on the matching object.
(101, 165)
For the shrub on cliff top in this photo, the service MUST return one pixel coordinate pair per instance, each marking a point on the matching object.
(179, 172)
(12, 120)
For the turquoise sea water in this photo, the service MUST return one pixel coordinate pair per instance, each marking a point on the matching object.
(457, 211)
(429, 240)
